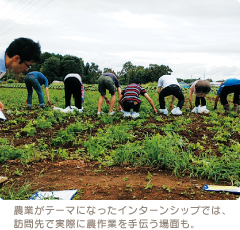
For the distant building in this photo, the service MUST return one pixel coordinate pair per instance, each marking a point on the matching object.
(57, 82)
(184, 84)
(215, 83)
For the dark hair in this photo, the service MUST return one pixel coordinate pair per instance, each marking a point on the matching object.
(26, 48)
(136, 81)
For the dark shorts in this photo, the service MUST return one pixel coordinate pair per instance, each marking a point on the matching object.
(230, 89)
(106, 83)
(174, 90)
(128, 105)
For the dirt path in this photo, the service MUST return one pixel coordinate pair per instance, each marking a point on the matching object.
(111, 183)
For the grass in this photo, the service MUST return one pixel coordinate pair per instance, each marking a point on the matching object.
(16, 192)
(161, 141)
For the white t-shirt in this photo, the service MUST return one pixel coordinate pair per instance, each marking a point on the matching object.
(74, 75)
(166, 80)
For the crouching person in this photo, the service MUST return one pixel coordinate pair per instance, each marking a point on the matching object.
(130, 99)
(168, 85)
(231, 85)
(200, 88)
(34, 80)
(108, 81)
(73, 85)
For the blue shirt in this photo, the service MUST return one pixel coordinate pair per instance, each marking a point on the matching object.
(3, 68)
(40, 77)
(228, 82)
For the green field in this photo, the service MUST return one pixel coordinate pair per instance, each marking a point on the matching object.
(201, 146)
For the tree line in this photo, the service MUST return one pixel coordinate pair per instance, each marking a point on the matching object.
(56, 67)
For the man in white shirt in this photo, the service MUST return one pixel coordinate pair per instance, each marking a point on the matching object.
(168, 85)
(20, 55)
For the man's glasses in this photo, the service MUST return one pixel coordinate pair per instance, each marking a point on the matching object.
(28, 66)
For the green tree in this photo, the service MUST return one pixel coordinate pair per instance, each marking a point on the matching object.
(91, 73)
(151, 74)
(156, 71)
(126, 73)
(10, 75)
(51, 69)
(108, 70)
(71, 64)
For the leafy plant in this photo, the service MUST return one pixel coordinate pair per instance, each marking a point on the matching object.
(29, 129)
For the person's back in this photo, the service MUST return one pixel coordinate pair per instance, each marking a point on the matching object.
(231, 85)
(168, 85)
(166, 80)
(132, 91)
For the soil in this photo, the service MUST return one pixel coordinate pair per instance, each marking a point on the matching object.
(111, 183)
(96, 182)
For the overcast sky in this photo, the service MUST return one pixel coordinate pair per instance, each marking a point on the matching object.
(193, 37)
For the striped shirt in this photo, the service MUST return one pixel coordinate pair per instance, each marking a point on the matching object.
(132, 92)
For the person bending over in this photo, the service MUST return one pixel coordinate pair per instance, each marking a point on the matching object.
(168, 85)
(73, 85)
(108, 81)
(34, 80)
(200, 88)
(231, 85)
(130, 99)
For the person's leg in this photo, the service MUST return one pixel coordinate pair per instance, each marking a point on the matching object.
(109, 84)
(203, 101)
(102, 91)
(223, 97)
(236, 89)
(36, 85)
(127, 106)
(29, 89)
(177, 92)
(77, 94)
(162, 95)
(236, 97)
(197, 101)
(100, 103)
(136, 107)
(68, 91)
(112, 102)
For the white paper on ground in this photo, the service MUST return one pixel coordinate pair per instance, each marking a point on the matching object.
(219, 188)
(68, 109)
(54, 195)
(2, 116)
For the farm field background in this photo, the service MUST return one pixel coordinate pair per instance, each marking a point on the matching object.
(111, 157)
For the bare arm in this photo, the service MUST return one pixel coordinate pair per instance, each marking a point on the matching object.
(190, 97)
(159, 90)
(119, 98)
(1, 106)
(151, 102)
(47, 93)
